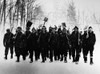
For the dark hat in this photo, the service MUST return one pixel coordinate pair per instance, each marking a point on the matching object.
(28, 24)
(43, 27)
(75, 27)
(19, 28)
(8, 30)
(90, 27)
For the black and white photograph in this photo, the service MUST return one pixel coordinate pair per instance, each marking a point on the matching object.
(49, 36)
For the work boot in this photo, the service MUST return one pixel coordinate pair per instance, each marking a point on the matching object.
(5, 57)
(85, 59)
(91, 61)
(11, 57)
(18, 60)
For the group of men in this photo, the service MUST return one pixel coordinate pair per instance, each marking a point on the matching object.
(56, 44)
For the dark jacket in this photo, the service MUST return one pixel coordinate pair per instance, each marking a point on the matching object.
(8, 39)
(19, 40)
(43, 40)
(53, 41)
(74, 38)
(91, 39)
(33, 40)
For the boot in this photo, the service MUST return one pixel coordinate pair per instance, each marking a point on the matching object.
(69, 57)
(65, 60)
(91, 61)
(85, 59)
(18, 59)
(73, 59)
(5, 57)
(24, 58)
(31, 60)
(61, 58)
(11, 57)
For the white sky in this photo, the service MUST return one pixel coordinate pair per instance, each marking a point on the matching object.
(56, 9)
(88, 5)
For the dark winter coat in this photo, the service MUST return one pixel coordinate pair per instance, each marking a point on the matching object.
(8, 39)
(91, 39)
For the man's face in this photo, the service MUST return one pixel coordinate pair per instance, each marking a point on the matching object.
(53, 31)
(33, 30)
(18, 30)
(64, 30)
(90, 29)
(76, 30)
(43, 30)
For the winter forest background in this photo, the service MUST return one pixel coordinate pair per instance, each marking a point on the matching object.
(14, 13)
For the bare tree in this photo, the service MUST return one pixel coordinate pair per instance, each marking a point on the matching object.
(19, 11)
(71, 13)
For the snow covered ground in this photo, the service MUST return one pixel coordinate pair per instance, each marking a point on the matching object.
(24, 67)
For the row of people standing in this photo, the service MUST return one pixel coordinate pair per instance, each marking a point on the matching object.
(55, 44)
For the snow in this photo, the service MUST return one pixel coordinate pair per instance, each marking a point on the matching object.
(24, 67)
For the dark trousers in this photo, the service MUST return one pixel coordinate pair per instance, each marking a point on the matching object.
(65, 54)
(85, 53)
(51, 54)
(86, 50)
(24, 53)
(43, 54)
(70, 53)
(73, 53)
(37, 54)
(18, 52)
(7, 48)
(76, 53)
(31, 55)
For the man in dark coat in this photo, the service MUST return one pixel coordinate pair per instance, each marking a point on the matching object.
(19, 42)
(52, 43)
(8, 43)
(84, 43)
(27, 40)
(57, 51)
(38, 32)
(28, 44)
(65, 45)
(33, 45)
(75, 44)
(91, 39)
(43, 40)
